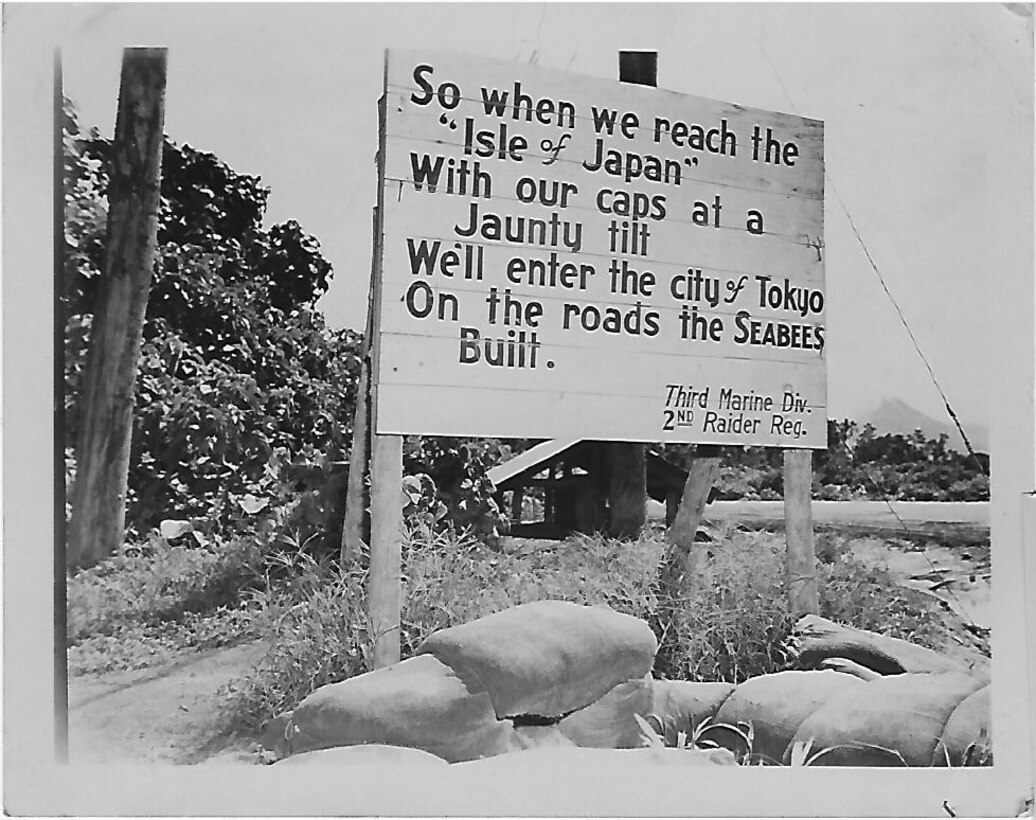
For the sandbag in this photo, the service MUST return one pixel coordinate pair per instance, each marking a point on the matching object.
(275, 743)
(609, 723)
(372, 754)
(774, 706)
(535, 737)
(545, 765)
(546, 658)
(816, 639)
(682, 705)
(967, 738)
(890, 721)
(419, 703)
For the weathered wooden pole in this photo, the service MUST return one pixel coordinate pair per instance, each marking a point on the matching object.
(627, 461)
(359, 457)
(385, 597)
(704, 469)
(801, 570)
(384, 592)
(352, 526)
(102, 452)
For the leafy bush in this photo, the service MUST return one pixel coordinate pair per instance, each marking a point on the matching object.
(457, 467)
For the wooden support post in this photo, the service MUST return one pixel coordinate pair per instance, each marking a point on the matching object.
(384, 590)
(627, 489)
(672, 506)
(517, 498)
(103, 450)
(352, 526)
(384, 596)
(696, 491)
(801, 571)
(359, 457)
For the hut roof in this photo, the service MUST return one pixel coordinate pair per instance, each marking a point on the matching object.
(533, 457)
(663, 477)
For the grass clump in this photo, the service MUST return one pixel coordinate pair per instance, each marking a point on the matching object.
(732, 622)
(451, 579)
(868, 597)
(163, 584)
(133, 610)
(315, 625)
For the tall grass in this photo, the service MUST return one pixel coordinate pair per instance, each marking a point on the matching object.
(315, 625)
(163, 584)
(731, 621)
(451, 579)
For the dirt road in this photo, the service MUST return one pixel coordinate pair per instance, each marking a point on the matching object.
(166, 714)
(878, 513)
(874, 513)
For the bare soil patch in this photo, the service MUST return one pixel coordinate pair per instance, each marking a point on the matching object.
(166, 714)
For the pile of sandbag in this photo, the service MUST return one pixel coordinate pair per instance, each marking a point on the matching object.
(864, 699)
(548, 673)
(558, 675)
(835, 718)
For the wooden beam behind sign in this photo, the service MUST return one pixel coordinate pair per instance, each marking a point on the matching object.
(564, 256)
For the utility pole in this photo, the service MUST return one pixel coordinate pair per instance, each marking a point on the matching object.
(103, 449)
(627, 461)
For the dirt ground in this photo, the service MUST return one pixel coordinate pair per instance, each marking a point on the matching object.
(165, 714)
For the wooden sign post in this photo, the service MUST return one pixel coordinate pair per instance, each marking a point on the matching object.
(384, 597)
(801, 570)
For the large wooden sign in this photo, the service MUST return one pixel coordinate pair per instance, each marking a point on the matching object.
(564, 257)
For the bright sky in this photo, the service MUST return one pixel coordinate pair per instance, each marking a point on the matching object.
(928, 128)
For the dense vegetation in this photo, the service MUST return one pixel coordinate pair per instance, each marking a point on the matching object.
(859, 463)
(244, 410)
(237, 367)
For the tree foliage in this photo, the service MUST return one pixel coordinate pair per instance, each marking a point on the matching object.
(858, 463)
(236, 362)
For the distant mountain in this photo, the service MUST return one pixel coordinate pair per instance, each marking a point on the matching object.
(896, 416)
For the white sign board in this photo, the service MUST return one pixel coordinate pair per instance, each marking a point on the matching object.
(567, 257)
